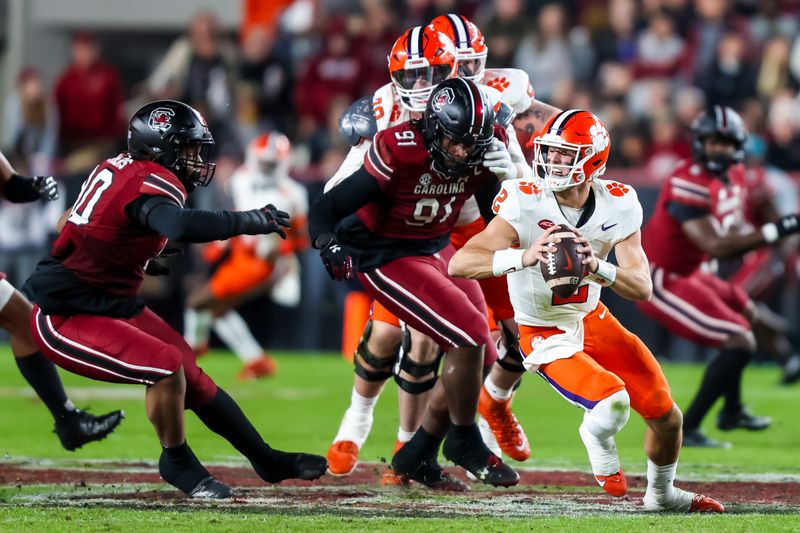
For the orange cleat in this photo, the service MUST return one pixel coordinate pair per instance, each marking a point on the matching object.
(264, 366)
(505, 426)
(615, 484)
(342, 458)
(390, 477)
(704, 504)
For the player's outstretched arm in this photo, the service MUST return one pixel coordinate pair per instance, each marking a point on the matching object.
(706, 234)
(21, 189)
(198, 225)
(489, 253)
(630, 278)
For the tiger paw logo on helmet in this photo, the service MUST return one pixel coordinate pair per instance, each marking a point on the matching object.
(501, 84)
(617, 189)
(600, 138)
(161, 119)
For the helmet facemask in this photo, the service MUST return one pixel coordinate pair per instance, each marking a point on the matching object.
(471, 65)
(450, 164)
(567, 172)
(191, 164)
(415, 84)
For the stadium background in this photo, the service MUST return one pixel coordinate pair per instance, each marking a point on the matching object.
(646, 67)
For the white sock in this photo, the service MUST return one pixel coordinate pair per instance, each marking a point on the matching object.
(598, 428)
(661, 495)
(496, 392)
(233, 331)
(196, 327)
(357, 420)
(403, 435)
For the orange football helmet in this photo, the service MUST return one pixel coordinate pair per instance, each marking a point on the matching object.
(572, 148)
(471, 49)
(420, 59)
(268, 155)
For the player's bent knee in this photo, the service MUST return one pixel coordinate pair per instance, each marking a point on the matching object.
(200, 388)
(371, 366)
(744, 340)
(382, 339)
(656, 404)
(416, 377)
(609, 415)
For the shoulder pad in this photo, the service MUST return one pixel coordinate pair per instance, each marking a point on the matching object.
(358, 121)
(504, 115)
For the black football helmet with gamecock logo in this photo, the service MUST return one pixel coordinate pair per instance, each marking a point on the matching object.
(175, 136)
(458, 112)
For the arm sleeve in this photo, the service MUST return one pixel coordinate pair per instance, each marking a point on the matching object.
(683, 212)
(20, 190)
(341, 201)
(163, 216)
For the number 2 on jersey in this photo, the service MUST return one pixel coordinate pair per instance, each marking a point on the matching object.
(91, 191)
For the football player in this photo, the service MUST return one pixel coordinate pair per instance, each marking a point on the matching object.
(74, 427)
(249, 264)
(406, 198)
(574, 342)
(701, 214)
(88, 316)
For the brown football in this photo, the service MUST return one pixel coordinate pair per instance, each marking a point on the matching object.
(563, 271)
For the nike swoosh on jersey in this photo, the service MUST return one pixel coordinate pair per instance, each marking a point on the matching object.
(606, 228)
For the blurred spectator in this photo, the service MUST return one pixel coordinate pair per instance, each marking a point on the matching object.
(271, 78)
(198, 69)
(505, 29)
(375, 33)
(659, 48)
(617, 42)
(774, 74)
(784, 147)
(770, 21)
(712, 20)
(545, 54)
(89, 97)
(30, 126)
(730, 78)
(331, 74)
(667, 146)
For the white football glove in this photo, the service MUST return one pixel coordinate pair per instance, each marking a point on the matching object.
(498, 160)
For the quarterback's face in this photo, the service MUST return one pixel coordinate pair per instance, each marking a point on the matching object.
(561, 156)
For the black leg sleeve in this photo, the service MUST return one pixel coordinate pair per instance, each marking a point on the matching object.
(41, 374)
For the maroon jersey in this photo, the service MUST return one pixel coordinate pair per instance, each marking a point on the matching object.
(100, 244)
(417, 207)
(692, 192)
(417, 202)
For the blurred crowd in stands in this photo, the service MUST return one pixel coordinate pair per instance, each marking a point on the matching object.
(646, 67)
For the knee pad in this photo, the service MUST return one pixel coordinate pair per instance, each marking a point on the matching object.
(418, 370)
(382, 365)
(509, 355)
(609, 415)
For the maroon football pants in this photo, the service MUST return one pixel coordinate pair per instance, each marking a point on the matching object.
(142, 349)
(418, 291)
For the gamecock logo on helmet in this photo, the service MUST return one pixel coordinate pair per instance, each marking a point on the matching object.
(161, 119)
(442, 98)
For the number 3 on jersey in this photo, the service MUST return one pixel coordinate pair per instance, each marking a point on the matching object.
(91, 191)
(427, 209)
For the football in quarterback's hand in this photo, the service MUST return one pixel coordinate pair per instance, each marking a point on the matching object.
(563, 270)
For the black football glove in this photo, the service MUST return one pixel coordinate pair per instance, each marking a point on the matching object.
(337, 262)
(787, 225)
(263, 221)
(47, 187)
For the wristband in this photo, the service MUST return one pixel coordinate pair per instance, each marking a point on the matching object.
(507, 261)
(770, 232)
(606, 274)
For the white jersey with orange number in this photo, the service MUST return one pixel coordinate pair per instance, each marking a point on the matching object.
(389, 112)
(617, 214)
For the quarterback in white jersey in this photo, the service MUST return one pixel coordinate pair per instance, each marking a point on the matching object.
(251, 264)
(575, 343)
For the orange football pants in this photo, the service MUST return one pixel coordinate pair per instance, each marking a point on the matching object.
(613, 359)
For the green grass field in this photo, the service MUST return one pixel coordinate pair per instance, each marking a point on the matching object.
(300, 409)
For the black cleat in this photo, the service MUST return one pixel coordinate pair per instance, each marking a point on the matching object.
(212, 489)
(697, 439)
(426, 471)
(291, 465)
(742, 420)
(80, 427)
(469, 452)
